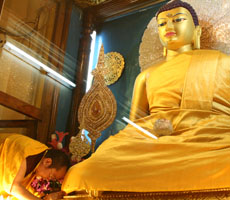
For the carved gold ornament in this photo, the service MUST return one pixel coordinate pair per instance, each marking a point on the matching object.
(98, 107)
(214, 19)
(113, 67)
(78, 147)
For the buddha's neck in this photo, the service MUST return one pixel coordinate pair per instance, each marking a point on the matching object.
(172, 53)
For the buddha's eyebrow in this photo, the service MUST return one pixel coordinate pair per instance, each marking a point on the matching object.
(179, 14)
(170, 15)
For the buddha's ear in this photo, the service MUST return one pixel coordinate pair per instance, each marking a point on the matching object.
(196, 37)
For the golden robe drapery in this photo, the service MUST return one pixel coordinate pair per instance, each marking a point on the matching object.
(193, 92)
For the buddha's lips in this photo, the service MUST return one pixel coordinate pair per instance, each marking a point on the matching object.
(169, 34)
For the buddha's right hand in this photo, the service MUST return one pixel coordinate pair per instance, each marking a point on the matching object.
(163, 127)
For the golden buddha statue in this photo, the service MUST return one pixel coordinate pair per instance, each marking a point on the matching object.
(190, 91)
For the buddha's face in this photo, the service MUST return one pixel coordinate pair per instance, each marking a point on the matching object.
(176, 28)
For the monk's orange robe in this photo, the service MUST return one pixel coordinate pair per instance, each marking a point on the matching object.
(14, 148)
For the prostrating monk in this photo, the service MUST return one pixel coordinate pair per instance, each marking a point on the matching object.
(23, 158)
(190, 94)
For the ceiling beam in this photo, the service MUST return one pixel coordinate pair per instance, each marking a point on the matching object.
(115, 8)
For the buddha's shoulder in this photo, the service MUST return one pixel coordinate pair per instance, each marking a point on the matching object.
(209, 52)
(152, 68)
(149, 70)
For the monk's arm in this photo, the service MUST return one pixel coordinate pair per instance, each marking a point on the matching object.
(17, 189)
(139, 106)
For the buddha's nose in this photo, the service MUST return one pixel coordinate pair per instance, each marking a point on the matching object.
(169, 25)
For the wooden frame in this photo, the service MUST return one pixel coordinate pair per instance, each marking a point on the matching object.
(23, 108)
(51, 93)
(1, 6)
(30, 125)
(82, 70)
(19, 106)
(114, 8)
(43, 121)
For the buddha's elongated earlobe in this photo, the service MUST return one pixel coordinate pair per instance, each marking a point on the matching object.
(196, 39)
(164, 51)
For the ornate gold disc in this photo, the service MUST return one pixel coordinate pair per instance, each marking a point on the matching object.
(114, 65)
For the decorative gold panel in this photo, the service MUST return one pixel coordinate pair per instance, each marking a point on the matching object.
(98, 107)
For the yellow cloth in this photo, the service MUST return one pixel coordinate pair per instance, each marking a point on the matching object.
(14, 148)
(193, 92)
